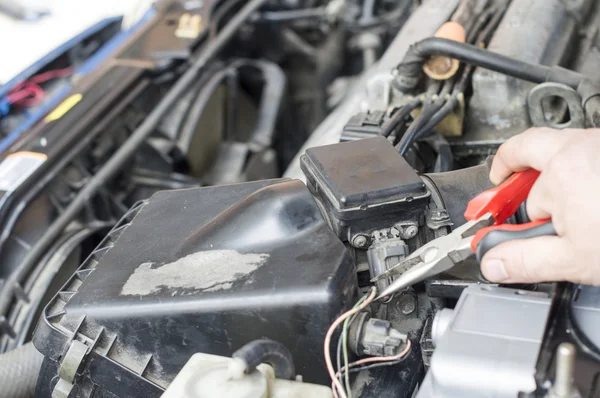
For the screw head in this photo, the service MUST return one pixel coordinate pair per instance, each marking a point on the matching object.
(410, 231)
(359, 241)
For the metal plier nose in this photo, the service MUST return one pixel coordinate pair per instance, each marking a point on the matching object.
(485, 229)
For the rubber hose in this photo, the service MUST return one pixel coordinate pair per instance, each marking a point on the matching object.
(410, 68)
(19, 370)
(270, 352)
(274, 81)
(198, 105)
(458, 187)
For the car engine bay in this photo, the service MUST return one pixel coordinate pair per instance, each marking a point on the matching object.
(200, 209)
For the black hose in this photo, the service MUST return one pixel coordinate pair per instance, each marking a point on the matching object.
(268, 109)
(116, 162)
(270, 352)
(198, 105)
(409, 69)
(270, 101)
(19, 370)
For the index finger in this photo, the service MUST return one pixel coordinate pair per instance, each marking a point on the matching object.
(532, 149)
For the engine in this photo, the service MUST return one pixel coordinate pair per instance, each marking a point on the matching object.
(219, 265)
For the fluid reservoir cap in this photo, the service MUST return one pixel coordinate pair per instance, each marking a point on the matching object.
(208, 376)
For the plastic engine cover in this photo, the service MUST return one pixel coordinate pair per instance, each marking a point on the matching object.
(198, 270)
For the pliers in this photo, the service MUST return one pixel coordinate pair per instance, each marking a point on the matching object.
(484, 229)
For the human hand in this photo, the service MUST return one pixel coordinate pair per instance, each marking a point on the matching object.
(567, 191)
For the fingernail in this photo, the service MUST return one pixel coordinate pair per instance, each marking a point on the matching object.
(494, 270)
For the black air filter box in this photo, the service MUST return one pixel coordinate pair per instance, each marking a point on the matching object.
(197, 270)
(363, 185)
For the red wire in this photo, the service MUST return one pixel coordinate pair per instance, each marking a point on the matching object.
(29, 92)
(26, 94)
(51, 74)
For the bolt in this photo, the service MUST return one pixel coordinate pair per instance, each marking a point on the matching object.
(407, 231)
(359, 241)
(410, 231)
(407, 304)
(565, 367)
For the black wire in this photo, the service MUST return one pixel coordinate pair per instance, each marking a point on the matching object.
(479, 25)
(426, 113)
(477, 34)
(429, 110)
(399, 116)
(444, 111)
(481, 39)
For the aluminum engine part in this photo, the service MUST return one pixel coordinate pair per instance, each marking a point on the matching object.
(498, 106)
(488, 345)
(586, 312)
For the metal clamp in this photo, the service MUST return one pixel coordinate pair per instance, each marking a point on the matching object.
(570, 96)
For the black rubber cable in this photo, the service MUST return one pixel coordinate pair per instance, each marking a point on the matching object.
(399, 116)
(117, 161)
(429, 110)
(479, 25)
(479, 34)
(410, 68)
(426, 113)
(434, 120)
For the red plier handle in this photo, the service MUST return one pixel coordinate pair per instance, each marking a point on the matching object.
(502, 202)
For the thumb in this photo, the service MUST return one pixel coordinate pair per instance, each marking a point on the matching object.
(541, 259)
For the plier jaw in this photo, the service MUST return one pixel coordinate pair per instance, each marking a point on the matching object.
(486, 213)
(435, 257)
